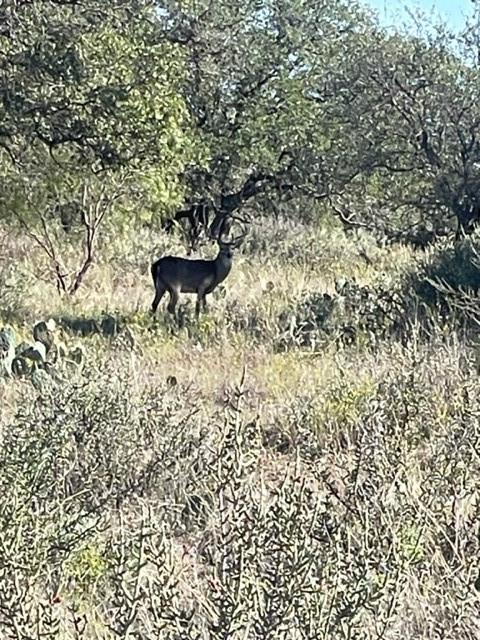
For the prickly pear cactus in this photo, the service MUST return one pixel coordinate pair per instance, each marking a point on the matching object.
(20, 367)
(43, 332)
(45, 360)
(41, 355)
(37, 352)
(7, 351)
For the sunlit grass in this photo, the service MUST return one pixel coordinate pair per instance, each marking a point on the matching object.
(365, 441)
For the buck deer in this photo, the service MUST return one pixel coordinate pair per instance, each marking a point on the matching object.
(181, 275)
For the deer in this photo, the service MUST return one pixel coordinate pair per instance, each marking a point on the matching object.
(182, 275)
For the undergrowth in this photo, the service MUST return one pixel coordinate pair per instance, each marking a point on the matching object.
(300, 463)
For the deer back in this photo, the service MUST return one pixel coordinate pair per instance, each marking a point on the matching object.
(190, 276)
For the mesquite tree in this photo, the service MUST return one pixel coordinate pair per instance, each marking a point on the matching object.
(307, 101)
(90, 112)
(256, 89)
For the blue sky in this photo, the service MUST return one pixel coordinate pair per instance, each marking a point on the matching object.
(452, 11)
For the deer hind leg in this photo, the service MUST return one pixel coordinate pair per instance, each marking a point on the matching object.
(174, 295)
(159, 293)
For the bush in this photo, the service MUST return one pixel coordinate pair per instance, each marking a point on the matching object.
(447, 283)
(440, 286)
(354, 313)
(452, 266)
(133, 507)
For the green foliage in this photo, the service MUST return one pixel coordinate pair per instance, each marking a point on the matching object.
(255, 89)
(448, 282)
(93, 121)
(97, 82)
(87, 566)
(313, 102)
(347, 404)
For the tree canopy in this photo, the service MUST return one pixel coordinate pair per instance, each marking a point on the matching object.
(309, 101)
(200, 108)
(91, 110)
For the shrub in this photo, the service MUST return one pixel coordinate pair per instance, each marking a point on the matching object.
(456, 264)
(448, 282)
(354, 313)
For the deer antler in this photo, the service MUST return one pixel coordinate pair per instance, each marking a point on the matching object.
(236, 242)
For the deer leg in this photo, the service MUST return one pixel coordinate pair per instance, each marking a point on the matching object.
(174, 294)
(159, 292)
(201, 303)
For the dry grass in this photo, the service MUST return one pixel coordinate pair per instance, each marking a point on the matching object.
(272, 492)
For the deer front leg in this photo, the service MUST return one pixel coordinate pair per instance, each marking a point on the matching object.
(201, 303)
(174, 295)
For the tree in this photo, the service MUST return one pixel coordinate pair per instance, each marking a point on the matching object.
(410, 104)
(90, 111)
(307, 101)
(251, 92)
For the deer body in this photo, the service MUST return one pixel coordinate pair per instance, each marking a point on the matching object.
(181, 275)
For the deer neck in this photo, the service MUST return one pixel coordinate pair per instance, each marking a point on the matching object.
(223, 264)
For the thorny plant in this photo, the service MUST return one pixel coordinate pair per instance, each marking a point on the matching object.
(135, 517)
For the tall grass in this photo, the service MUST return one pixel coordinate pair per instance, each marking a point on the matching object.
(221, 479)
